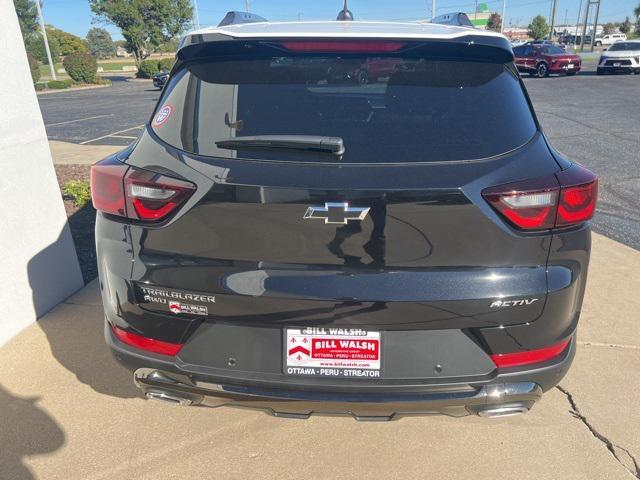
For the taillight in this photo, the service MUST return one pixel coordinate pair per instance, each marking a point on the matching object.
(332, 46)
(151, 196)
(529, 357)
(565, 199)
(146, 343)
(119, 189)
(107, 189)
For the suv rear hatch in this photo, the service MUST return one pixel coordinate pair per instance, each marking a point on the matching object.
(392, 233)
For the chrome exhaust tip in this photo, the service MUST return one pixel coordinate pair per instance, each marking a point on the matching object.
(171, 398)
(502, 411)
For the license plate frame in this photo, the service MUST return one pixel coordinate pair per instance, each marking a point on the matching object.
(323, 352)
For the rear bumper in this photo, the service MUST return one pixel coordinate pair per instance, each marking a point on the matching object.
(508, 391)
(507, 398)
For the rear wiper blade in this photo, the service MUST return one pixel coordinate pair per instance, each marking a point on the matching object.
(316, 143)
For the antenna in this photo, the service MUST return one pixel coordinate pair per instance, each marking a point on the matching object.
(345, 14)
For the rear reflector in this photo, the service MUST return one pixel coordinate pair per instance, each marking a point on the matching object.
(529, 357)
(562, 200)
(118, 189)
(145, 343)
(330, 46)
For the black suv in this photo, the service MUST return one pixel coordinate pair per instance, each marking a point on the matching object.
(286, 239)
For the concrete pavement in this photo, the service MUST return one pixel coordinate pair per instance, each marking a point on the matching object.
(69, 411)
(65, 153)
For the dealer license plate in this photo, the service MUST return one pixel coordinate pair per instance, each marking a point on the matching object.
(333, 352)
(569, 65)
(617, 64)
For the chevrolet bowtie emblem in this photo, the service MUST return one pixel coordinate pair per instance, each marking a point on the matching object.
(337, 213)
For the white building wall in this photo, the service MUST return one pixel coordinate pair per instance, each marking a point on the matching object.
(38, 263)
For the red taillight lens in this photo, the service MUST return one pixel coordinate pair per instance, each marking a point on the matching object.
(151, 196)
(118, 189)
(503, 360)
(146, 343)
(331, 46)
(578, 196)
(568, 198)
(107, 189)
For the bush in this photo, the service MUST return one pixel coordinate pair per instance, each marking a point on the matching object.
(166, 64)
(79, 191)
(81, 67)
(58, 84)
(38, 86)
(101, 81)
(34, 67)
(147, 69)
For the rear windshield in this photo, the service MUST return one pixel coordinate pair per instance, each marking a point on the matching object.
(385, 109)
(621, 46)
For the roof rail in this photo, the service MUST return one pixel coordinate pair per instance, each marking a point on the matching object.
(235, 18)
(459, 19)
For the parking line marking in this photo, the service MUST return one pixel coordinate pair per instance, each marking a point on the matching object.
(111, 134)
(78, 120)
(122, 136)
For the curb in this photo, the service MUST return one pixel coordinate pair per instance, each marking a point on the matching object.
(71, 89)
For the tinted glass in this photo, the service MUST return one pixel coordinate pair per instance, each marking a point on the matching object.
(622, 46)
(553, 50)
(386, 109)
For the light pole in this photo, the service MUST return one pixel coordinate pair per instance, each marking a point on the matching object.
(196, 16)
(504, 12)
(247, 5)
(553, 20)
(46, 41)
(433, 9)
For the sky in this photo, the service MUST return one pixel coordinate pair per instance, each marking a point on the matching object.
(75, 15)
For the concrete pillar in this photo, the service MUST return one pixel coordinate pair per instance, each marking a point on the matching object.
(38, 263)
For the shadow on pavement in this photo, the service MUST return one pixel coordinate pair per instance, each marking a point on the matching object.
(25, 429)
(74, 330)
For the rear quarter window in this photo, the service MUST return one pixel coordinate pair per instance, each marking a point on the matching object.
(386, 109)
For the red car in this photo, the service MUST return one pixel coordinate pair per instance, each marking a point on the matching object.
(541, 60)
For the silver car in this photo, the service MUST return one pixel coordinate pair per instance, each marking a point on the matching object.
(620, 57)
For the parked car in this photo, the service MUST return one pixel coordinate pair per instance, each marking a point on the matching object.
(408, 246)
(610, 39)
(354, 70)
(542, 60)
(160, 79)
(620, 57)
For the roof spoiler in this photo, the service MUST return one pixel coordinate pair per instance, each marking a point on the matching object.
(459, 19)
(236, 18)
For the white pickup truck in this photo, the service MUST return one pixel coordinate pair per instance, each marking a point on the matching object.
(610, 39)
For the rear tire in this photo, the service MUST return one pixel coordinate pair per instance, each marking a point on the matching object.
(598, 44)
(542, 70)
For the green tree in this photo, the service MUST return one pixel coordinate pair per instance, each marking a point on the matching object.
(538, 28)
(145, 24)
(625, 27)
(494, 22)
(27, 16)
(100, 43)
(34, 44)
(608, 28)
(68, 42)
(636, 11)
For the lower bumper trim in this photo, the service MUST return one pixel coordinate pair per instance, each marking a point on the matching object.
(488, 400)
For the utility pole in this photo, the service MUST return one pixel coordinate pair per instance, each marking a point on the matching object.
(595, 26)
(247, 5)
(52, 67)
(553, 19)
(475, 14)
(575, 35)
(433, 9)
(584, 26)
(196, 15)
(504, 12)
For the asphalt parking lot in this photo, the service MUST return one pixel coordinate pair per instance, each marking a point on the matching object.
(104, 116)
(592, 119)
